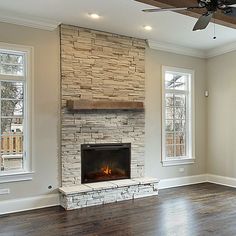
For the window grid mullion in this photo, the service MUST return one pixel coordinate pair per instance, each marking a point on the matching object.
(173, 91)
(186, 124)
(174, 126)
(1, 125)
(12, 117)
(12, 78)
(24, 118)
(12, 99)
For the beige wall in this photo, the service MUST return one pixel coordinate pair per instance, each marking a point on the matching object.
(221, 103)
(154, 61)
(46, 109)
(46, 105)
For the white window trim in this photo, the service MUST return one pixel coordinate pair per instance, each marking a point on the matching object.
(27, 173)
(16, 176)
(190, 159)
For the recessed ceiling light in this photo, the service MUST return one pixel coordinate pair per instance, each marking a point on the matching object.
(94, 16)
(147, 27)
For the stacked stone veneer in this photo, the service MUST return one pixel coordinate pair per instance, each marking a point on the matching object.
(100, 66)
(107, 192)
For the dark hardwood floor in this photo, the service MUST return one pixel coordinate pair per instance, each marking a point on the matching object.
(202, 209)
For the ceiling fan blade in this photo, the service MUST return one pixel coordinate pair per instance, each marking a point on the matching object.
(231, 11)
(171, 9)
(203, 22)
(165, 9)
(229, 2)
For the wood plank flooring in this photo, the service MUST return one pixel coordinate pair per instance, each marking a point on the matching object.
(202, 209)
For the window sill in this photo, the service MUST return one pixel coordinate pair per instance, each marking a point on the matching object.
(16, 176)
(176, 162)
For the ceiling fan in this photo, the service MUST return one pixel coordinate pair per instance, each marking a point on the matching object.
(211, 6)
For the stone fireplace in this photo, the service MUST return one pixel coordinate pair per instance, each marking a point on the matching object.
(104, 162)
(100, 66)
(107, 68)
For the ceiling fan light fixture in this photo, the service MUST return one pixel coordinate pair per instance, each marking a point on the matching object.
(147, 27)
(94, 16)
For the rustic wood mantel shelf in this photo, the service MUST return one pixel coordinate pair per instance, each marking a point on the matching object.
(76, 105)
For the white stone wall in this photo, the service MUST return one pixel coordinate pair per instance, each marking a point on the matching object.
(101, 127)
(97, 65)
(100, 66)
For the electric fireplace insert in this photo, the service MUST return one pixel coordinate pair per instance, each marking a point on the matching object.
(104, 162)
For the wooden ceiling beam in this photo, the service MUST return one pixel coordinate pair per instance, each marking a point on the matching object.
(220, 18)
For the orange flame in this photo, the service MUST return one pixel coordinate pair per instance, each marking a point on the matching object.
(106, 170)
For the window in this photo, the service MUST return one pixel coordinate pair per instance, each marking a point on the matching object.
(177, 116)
(14, 111)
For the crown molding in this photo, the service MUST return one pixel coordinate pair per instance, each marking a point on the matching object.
(221, 50)
(173, 48)
(32, 22)
(205, 54)
(40, 23)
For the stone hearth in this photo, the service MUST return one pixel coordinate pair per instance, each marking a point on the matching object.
(86, 195)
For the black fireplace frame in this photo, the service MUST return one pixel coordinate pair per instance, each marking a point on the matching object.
(104, 146)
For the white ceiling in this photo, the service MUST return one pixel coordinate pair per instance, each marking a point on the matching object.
(122, 17)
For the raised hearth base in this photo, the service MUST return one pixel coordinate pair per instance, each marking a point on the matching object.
(86, 195)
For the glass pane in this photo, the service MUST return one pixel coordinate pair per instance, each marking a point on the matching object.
(169, 138)
(11, 152)
(12, 107)
(10, 126)
(170, 151)
(11, 64)
(176, 81)
(180, 86)
(180, 150)
(180, 138)
(11, 58)
(169, 125)
(181, 82)
(180, 100)
(169, 82)
(169, 100)
(11, 162)
(180, 113)
(13, 90)
(179, 125)
(12, 144)
(11, 69)
(169, 113)
(169, 85)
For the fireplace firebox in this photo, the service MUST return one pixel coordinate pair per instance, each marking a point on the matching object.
(104, 162)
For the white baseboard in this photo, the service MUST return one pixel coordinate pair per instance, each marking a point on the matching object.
(195, 179)
(182, 181)
(29, 203)
(222, 180)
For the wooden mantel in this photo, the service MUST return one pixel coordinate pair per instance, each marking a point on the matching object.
(76, 105)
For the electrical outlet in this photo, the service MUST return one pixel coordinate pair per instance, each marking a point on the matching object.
(181, 169)
(206, 93)
(4, 191)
